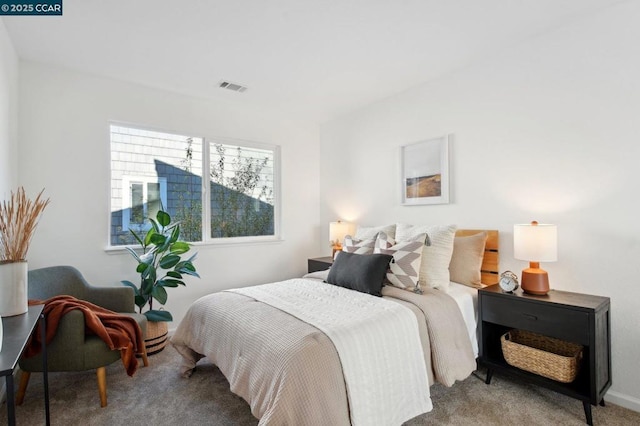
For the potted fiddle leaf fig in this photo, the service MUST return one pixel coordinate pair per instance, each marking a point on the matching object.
(160, 265)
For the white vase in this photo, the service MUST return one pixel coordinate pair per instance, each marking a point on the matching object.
(13, 288)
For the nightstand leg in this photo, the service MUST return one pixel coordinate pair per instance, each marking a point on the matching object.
(587, 412)
(489, 376)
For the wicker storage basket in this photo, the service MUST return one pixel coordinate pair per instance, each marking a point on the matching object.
(548, 357)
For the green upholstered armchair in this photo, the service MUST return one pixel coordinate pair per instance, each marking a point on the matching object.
(71, 349)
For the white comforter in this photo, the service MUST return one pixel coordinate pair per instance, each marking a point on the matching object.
(386, 384)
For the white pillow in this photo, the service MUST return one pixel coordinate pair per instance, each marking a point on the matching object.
(436, 254)
(371, 232)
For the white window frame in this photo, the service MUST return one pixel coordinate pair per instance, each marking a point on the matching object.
(206, 212)
(206, 195)
(126, 199)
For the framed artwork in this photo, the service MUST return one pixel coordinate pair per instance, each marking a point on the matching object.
(425, 172)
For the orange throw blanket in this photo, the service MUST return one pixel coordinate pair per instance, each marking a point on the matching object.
(117, 331)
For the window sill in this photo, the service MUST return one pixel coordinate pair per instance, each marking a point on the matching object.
(247, 241)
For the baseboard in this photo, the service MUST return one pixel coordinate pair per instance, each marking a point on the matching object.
(623, 400)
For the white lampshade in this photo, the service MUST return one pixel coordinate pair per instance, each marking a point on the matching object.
(338, 230)
(535, 242)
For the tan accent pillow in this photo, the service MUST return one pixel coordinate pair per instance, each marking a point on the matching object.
(436, 254)
(466, 260)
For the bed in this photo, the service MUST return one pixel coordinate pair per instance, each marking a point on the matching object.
(292, 372)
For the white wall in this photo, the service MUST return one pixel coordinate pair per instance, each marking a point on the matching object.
(8, 114)
(546, 130)
(64, 147)
(8, 123)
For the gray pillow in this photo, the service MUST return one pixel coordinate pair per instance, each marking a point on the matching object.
(363, 273)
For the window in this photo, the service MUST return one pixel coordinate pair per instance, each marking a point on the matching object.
(142, 197)
(236, 199)
(241, 191)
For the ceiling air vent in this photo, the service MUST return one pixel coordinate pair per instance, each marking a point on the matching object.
(232, 86)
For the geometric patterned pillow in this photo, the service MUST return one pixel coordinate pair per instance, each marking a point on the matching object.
(384, 241)
(405, 267)
(352, 245)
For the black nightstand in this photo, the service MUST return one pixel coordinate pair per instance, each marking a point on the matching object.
(319, 264)
(573, 317)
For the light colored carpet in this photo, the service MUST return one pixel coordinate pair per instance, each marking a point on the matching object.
(157, 395)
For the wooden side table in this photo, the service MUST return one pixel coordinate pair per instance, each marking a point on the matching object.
(572, 317)
(319, 264)
(16, 332)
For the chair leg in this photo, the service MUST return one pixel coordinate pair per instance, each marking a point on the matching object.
(101, 374)
(22, 388)
(145, 360)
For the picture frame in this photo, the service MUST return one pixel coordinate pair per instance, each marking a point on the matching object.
(425, 172)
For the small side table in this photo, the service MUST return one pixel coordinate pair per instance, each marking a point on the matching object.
(319, 264)
(574, 317)
(16, 332)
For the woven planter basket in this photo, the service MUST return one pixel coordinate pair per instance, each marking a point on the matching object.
(548, 357)
(156, 336)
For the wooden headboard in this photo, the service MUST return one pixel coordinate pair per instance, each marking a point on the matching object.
(490, 269)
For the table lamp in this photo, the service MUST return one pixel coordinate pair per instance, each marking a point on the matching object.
(337, 231)
(536, 243)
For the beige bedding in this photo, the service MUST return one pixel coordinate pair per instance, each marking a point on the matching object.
(451, 352)
(287, 370)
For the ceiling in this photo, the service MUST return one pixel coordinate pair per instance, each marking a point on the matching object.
(311, 59)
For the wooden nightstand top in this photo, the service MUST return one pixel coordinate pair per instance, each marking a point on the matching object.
(559, 297)
(325, 259)
(319, 264)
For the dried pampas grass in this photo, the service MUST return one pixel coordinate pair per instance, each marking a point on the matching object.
(18, 220)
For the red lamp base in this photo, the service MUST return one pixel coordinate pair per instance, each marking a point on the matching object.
(535, 281)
